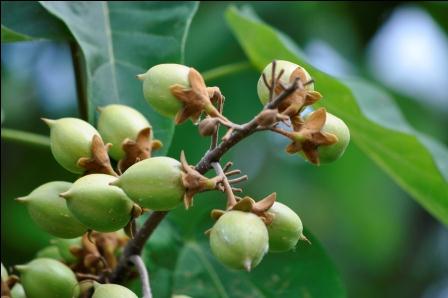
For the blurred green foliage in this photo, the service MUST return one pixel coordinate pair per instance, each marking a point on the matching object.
(383, 243)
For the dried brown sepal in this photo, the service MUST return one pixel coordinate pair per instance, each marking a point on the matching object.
(139, 149)
(99, 162)
(196, 99)
(300, 98)
(247, 204)
(98, 254)
(310, 136)
(216, 213)
(269, 117)
(194, 182)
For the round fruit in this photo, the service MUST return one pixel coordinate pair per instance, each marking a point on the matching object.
(239, 240)
(18, 291)
(97, 204)
(50, 252)
(117, 123)
(112, 291)
(285, 230)
(48, 278)
(336, 126)
(288, 68)
(154, 183)
(50, 211)
(156, 87)
(64, 246)
(71, 139)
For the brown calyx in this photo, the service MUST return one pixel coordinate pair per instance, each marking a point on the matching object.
(99, 162)
(194, 182)
(196, 99)
(139, 149)
(247, 204)
(310, 136)
(97, 254)
(300, 98)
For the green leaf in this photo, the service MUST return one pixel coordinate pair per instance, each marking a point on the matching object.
(180, 246)
(122, 39)
(29, 21)
(415, 161)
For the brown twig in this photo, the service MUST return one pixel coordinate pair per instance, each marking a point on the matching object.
(135, 246)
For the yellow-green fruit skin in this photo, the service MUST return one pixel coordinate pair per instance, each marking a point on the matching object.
(50, 211)
(156, 87)
(48, 278)
(288, 67)
(112, 291)
(333, 125)
(64, 245)
(239, 240)
(4, 273)
(18, 291)
(154, 183)
(50, 252)
(71, 139)
(285, 230)
(117, 123)
(97, 204)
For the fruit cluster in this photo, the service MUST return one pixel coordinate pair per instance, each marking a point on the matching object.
(89, 214)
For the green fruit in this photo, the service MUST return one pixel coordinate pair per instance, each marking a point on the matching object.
(64, 246)
(154, 183)
(239, 240)
(50, 252)
(117, 123)
(48, 278)
(50, 211)
(71, 139)
(288, 67)
(97, 204)
(18, 291)
(336, 126)
(112, 291)
(4, 273)
(285, 230)
(156, 87)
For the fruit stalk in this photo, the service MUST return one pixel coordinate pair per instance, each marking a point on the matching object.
(135, 246)
(144, 276)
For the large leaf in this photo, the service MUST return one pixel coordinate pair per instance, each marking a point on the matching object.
(416, 162)
(122, 39)
(180, 245)
(28, 20)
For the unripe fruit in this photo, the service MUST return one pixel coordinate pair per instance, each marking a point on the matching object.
(18, 291)
(239, 240)
(71, 139)
(4, 273)
(98, 205)
(336, 126)
(64, 246)
(288, 67)
(112, 291)
(50, 252)
(156, 87)
(117, 123)
(154, 183)
(48, 278)
(285, 229)
(50, 211)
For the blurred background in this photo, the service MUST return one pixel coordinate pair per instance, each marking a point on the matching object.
(381, 240)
